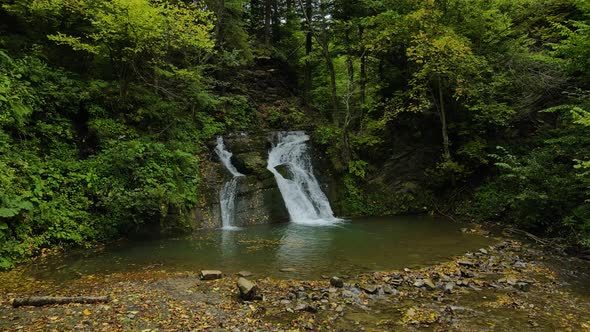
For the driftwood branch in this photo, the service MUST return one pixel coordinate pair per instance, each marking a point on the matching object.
(527, 234)
(38, 301)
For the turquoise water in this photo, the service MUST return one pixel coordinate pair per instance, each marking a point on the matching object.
(351, 247)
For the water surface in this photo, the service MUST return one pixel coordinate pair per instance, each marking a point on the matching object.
(351, 247)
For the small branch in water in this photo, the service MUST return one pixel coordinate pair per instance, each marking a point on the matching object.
(527, 234)
(38, 301)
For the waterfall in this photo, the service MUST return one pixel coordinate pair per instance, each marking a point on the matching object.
(303, 197)
(227, 195)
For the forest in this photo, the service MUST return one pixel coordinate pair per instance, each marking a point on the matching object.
(107, 107)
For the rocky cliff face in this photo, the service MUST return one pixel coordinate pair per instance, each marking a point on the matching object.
(258, 200)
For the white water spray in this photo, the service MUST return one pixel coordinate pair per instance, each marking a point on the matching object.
(227, 195)
(303, 197)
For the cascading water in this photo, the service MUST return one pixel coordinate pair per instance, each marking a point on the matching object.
(227, 195)
(303, 197)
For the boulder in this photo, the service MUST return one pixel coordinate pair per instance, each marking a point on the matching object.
(245, 274)
(369, 289)
(336, 282)
(211, 274)
(248, 289)
(284, 171)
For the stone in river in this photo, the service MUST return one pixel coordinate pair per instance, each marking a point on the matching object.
(429, 284)
(449, 287)
(336, 282)
(466, 263)
(523, 286)
(467, 274)
(287, 269)
(247, 289)
(389, 290)
(370, 289)
(245, 274)
(211, 274)
(306, 307)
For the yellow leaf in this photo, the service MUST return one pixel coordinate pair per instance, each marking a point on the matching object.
(86, 312)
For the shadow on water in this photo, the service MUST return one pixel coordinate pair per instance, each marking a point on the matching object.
(351, 247)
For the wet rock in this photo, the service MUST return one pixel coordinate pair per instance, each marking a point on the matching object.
(389, 290)
(483, 251)
(211, 274)
(248, 289)
(520, 265)
(287, 269)
(429, 284)
(302, 295)
(285, 302)
(370, 289)
(466, 263)
(467, 274)
(339, 308)
(336, 282)
(455, 308)
(449, 287)
(462, 283)
(475, 288)
(245, 274)
(306, 307)
(419, 283)
(347, 294)
(523, 286)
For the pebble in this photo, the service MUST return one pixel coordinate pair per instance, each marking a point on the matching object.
(449, 287)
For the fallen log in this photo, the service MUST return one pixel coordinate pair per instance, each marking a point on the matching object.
(38, 301)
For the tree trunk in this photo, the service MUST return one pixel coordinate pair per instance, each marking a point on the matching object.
(443, 121)
(218, 31)
(38, 301)
(276, 21)
(363, 82)
(333, 92)
(308, 45)
(267, 16)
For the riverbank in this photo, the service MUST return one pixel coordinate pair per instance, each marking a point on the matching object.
(505, 286)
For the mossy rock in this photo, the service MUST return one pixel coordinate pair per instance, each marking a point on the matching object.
(251, 163)
(284, 171)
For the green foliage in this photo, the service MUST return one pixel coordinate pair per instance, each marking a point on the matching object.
(361, 199)
(544, 189)
(86, 160)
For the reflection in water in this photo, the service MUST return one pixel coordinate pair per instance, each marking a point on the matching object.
(360, 245)
(228, 243)
(299, 243)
